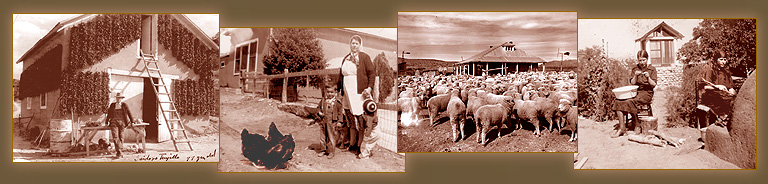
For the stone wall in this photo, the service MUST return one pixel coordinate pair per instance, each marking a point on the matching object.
(669, 76)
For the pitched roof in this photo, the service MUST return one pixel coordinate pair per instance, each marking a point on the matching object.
(65, 24)
(662, 27)
(499, 53)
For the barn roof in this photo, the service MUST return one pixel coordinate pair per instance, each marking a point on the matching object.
(63, 25)
(506, 53)
(664, 28)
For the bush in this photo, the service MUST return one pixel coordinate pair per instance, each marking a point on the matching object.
(295, 49)
(681, 100)
(597, 77)
(386, 77)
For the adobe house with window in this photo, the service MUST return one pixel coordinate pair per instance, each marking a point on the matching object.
(499, 59)
(76, 69)
(660, 44)
(248, 46)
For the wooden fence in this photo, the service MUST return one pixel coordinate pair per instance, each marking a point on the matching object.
(255, 78)
(387, 113)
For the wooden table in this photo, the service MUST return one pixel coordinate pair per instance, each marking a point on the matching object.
(89, 132)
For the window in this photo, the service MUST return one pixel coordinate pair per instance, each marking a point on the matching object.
(252, 56)
(236, 67)
(29, 102)
(246, 55)
(147, 40)
(43, 100)
(243, 58)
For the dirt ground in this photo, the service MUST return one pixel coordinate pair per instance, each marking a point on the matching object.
(206, 150)
(255, 114)
(604, 152)
(424, 138)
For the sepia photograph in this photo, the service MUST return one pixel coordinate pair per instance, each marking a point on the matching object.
(667, 94)
(115, 88)
(309, 100)
(487, 81)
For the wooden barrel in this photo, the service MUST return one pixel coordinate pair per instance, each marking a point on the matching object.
(60, 135)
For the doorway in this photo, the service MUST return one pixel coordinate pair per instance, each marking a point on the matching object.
(149, 109)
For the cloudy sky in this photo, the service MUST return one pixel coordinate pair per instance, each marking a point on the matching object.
(390, 33)
(620, 34)
(449, 36)
(29, 28)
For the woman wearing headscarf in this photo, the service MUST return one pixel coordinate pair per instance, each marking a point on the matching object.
(717, 93)
(643, 76)
(357, 80)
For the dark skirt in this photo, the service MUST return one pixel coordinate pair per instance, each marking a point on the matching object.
(720, 102)
(630, 105)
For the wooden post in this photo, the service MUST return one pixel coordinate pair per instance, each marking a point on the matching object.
(268, 86)
(285, 86)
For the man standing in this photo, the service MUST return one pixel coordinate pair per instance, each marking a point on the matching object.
(118, 117)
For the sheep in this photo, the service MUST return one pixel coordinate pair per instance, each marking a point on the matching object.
(409, 92)
(456, 111)
(465, 93)
(437, 104)
(568, 95)
(472, 92)
(527, 110)
(570, 118)
(496, 99)
(411, 106)
(492, 116)
(440, 90)
(530, 95)
(547, 109)
(513, 94)
(473, 103)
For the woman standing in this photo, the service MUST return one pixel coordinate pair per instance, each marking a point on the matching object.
(357, 78)
(644, 76)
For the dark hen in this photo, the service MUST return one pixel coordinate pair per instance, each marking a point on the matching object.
(272, 152)
(254, 146)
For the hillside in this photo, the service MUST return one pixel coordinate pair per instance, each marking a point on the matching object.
(429, 64)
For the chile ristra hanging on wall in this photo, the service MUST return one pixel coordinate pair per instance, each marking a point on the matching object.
(101, 37)
(185, 47)
(191, 97)
(84, 93)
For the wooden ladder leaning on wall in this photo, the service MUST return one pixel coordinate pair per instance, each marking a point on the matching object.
(171, 115)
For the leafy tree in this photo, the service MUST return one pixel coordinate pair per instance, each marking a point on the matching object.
(295, 49)
(737, 37)
(591, 53)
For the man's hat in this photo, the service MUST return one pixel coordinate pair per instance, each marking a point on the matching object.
(119, 95)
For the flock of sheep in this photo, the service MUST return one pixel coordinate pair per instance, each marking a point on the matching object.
(492, 101)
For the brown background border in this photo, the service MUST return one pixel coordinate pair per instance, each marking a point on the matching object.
(421, 167)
